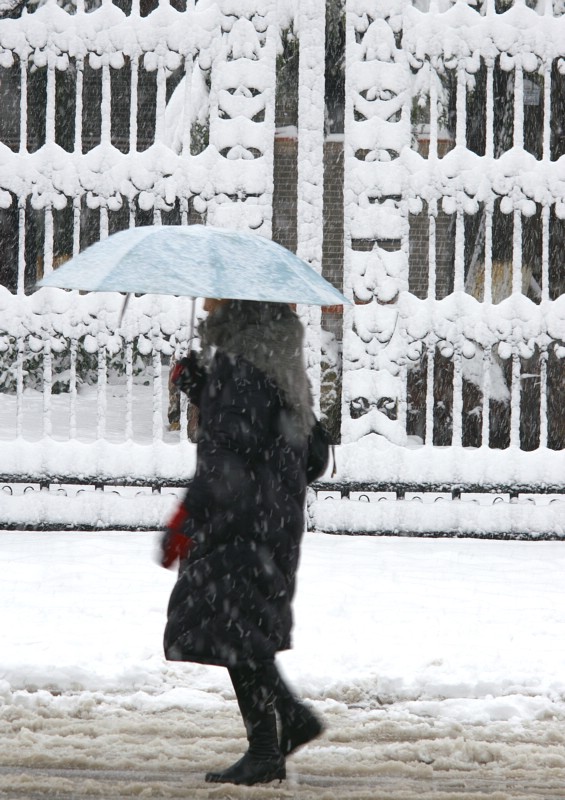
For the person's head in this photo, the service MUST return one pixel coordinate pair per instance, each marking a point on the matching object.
(212, 303)
(256, 312)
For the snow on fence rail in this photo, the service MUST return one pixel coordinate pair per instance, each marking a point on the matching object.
(118, 506)
(396, 491)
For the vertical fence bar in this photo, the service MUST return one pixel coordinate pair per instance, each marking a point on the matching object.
(106, 104)
(519, 144)
(487, 364)
(183, 417)
(433, 149)
(187, 107)
(129, 389)
(23, 104)
(457, 437)
(459, 271)
(349, 201)
(21, 245)
(134, 65)
(461, 105)
(310, 165)
(517, 253)
(546, 148)
(515, 400)
(404, 272)
(48, 241)
(183, 211)
(518, 104)
(47, 386)
(487, 294)
(20, 387)
(403, 398)
(430, 370)
(161, 99)
(76, 224)
(73, 388)
(103, 222)
(543, 397)
(157, 393)
(489, 110)
(545, 217)
(50, 104)
(78, 100)
(268, 58)
(182, 348)
(101, 392)
(432, 249)
(131, 222)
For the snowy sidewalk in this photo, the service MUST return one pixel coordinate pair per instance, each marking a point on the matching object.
(76, 750)
(438, 665)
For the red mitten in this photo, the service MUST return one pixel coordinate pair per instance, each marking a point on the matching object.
(187, 372)
(178, 520)
(175, 544)
(176, 374)
(174, 547)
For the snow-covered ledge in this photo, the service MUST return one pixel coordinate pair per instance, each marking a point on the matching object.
(98, 462)
(373, 461)
(450, 518)
(380, 471)
(86, 510)
(371, 465)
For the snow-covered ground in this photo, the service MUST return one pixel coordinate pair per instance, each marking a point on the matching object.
(88, 412)
(437, 664)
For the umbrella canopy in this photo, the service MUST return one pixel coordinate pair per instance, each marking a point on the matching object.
(195, 261)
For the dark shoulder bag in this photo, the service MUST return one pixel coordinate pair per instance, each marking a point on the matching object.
(319, 446)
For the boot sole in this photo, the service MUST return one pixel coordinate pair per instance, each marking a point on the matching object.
(221, 777)
(277, 774)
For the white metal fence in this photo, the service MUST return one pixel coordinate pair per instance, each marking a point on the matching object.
(454, 200)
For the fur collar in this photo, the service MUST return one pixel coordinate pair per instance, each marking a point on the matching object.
(270, 336)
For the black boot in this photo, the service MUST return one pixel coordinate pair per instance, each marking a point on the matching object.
(263, 762)
(299, 726)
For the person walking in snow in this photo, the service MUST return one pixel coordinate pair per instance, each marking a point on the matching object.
(238, 529)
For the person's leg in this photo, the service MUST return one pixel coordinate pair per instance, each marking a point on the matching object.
(263, 761)
(299, 724)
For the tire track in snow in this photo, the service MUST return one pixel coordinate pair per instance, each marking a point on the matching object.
(37, 784)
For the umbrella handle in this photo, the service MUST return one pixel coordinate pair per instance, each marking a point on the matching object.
(192, 321)
(125, 305)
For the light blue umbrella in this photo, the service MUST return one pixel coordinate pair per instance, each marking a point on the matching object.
(195, 261)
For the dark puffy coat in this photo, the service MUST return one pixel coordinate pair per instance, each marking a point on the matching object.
(232, 600)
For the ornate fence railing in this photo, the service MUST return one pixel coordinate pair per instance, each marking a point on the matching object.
(449, 363)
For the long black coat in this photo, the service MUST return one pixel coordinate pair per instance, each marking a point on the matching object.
(232, 600)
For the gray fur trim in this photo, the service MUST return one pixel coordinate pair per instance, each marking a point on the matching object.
(270, 336)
